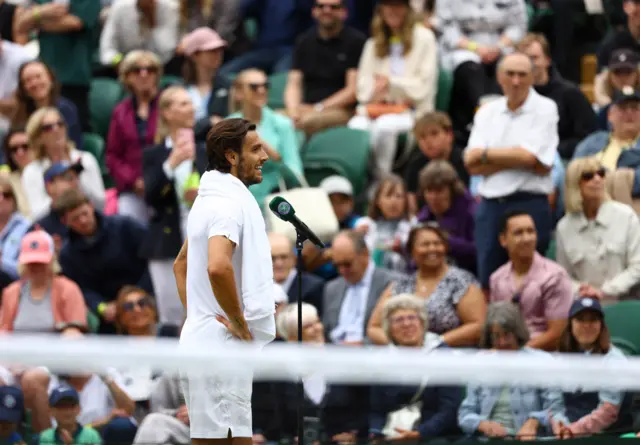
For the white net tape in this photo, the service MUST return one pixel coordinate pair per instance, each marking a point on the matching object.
(337, 364)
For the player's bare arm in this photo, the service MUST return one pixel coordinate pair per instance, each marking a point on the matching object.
(180, 273)
(223, 283)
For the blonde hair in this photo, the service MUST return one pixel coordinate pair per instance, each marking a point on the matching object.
(381, 34)
(287, 319)
(407, 302)
(33, 130)
(572, 194)
(132, 58)
(235, 104)
(164, 102)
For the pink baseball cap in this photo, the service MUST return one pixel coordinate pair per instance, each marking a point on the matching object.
(37, 247)
(202, 39)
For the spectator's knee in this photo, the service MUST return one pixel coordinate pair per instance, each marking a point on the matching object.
(34, 380)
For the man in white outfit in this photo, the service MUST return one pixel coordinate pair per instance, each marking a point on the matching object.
(224, 276)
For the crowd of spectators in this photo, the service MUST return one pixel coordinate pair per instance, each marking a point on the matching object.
(504, 217)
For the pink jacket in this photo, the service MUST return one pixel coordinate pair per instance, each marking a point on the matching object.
(124, 148)
(67, 304)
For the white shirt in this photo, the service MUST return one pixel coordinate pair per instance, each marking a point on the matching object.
(534, 127)
(225, 207)
(12, 56)
(352, 312)
(179, 176)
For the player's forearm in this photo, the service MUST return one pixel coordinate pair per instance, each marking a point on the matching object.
(223, 284)
(180, 273)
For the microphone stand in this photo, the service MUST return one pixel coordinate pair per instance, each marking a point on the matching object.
(300, 239)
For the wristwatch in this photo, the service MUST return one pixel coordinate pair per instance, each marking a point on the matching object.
(318, 107)
(485, 156)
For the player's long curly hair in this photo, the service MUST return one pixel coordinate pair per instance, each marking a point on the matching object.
(226, 135)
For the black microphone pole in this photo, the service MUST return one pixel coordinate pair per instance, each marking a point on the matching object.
(300, 267)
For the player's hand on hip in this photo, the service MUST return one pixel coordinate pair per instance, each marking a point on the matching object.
(239, 329)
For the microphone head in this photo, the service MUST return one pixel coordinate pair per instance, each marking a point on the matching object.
(281, 208)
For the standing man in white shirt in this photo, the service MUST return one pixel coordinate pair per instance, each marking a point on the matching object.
(229, 293)
(512, 146)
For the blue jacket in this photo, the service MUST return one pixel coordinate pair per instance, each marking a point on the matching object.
(438, 413)
(105, 262)
(10, 243)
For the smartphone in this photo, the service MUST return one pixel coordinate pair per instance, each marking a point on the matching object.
(311, 428)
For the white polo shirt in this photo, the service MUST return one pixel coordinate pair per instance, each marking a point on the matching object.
(533, 126)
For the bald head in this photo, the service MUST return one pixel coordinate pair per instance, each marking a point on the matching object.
(516, 61)
(515, 76)
(279, 240)
(281, 255)
(350, 255)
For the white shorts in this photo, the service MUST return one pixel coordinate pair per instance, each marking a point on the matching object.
(220, 403)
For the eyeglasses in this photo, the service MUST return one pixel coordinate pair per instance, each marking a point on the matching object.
(256, 86)
(401, 319)
(45, 128)
(17, 147)
(333, 7)
(142, 303)
(588, 176)
(147, 69)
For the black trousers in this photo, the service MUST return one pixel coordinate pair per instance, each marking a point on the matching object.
(79, 95)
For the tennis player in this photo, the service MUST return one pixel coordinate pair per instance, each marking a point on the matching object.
(225, 280)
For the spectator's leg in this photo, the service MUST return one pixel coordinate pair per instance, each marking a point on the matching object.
(540, 210)
(79, 95)
(469, 85)
(35, 383)
(119, 431)
(170, 310)
(360, 123)
(388, 127)
(130, 204)
(564, 12)
(490, 253)
(283, 64)
(317, 121)
(162, 429)
(263, 59)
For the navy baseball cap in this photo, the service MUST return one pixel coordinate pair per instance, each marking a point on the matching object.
(11, 404)
(63, 393)
(60, 168)
(585, 304)
(626, 94)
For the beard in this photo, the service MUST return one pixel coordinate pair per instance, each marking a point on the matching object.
(246, 173)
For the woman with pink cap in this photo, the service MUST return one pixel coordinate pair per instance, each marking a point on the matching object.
(42, 300)
(204, 51)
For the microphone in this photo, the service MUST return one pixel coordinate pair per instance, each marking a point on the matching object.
(283, 210)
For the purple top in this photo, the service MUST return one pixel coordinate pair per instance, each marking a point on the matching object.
(459, 224)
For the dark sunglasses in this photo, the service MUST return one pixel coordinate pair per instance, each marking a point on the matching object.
(52, 126)
(588, 176)
(6, 195)
(257, 86)
(142, 303)
(333, 7)
(18, 147)
(148, 69)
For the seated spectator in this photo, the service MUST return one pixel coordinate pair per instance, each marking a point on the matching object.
(387, 225)
(340, 192)
(341, 410)
(38, 88)
(104, 404)
(598, 240)
(350, 299)
(577, 119)
(14, 56)
(101, 254)
(321, 87)
(42, 301)
(249, 101)
(397, 79)
(48, 138)
(150, 25)
(434, 135)
(621, 37)
(209, 91)
(405, 324)
(13, 226)
(132, 129)
(171, 170)
(453, 301)
(18, 154)
(501, 412)
(474, 37)
(610, 146)
(58, 178)
(623, 71)
(12, 414)
(168, 422)
(540, 287)
(286, 274)
(591, 412)
(65, 409)
(452, 207)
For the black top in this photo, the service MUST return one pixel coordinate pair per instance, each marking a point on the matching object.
(418, 161)
(621, 39)
(324, 63)
(7, 12)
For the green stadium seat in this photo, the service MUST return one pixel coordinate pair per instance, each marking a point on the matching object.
(622, 321)
(251, 29)
(340, 150)
(93, 322)
(168, 81)
(94, 144)
(290, 179)
(104, 95)
(445, 87)
(277, 84)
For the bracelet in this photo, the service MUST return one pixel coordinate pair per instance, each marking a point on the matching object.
(101, 308)
(35, 13)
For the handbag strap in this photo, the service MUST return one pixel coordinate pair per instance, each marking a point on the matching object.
(419, 393)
